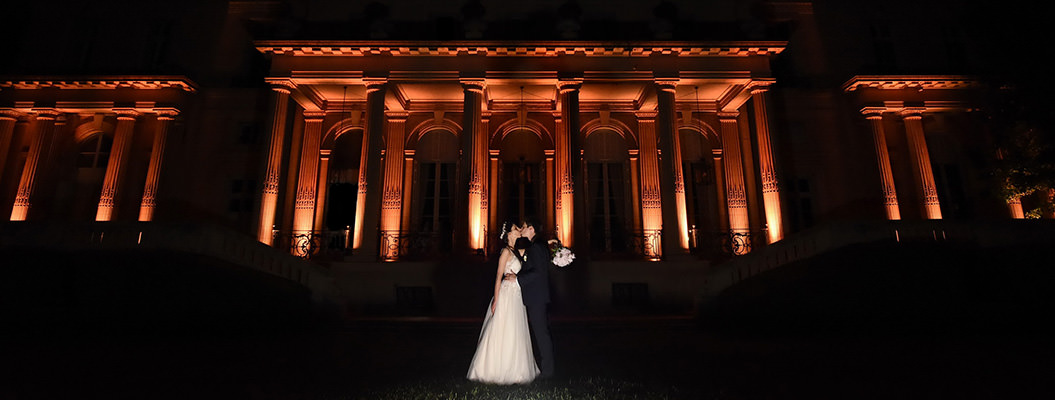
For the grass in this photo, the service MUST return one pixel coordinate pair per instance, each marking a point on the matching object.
(580, 388)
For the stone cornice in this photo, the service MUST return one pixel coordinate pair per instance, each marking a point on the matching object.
(520, 49)
(919, 82)
(123, 82)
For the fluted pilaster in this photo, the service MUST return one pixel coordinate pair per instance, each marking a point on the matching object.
(767, 170)
(886, 174)
(157, 155)
(272, 176)
(8, 119)
(735, 193)
(392, 199)
(921, 169)
(41, 141)
(651, 203)
(115, 167)
(308, 173)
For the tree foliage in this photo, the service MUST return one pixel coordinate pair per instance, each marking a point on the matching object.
(1022, 121)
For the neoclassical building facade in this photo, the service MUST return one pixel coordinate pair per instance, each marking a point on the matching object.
(693, 141)
(644, 149)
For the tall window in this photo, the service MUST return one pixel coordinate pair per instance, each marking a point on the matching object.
(436, 189)
(701, 191)
(93, 155)
(435, 166)
(343, 179)
(521, 186)
(607, 185)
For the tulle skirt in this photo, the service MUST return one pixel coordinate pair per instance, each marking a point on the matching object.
(503, 354)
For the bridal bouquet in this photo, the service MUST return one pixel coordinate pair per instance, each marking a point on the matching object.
(560, 255)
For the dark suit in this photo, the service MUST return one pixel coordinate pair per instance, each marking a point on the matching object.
(534, 284)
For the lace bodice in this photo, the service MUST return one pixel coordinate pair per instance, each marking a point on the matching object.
(513, 265)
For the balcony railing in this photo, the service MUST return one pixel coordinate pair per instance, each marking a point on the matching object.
(314, 245)
(412, 245)
(723, 244)
(646, 243)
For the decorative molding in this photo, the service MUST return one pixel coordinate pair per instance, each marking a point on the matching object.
(147, 83)
(499, 49)
(920, 82)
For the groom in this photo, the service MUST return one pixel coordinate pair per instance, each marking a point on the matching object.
(534, 283)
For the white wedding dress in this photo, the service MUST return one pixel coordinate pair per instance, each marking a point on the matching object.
(504, 354)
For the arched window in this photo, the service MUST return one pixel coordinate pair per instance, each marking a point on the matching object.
(607, 166)
(522, 176)
(435, 163)
(343, 180)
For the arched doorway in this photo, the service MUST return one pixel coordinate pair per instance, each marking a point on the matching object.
(701, 188)
(522, 183)
(607, 163)
(343, 181)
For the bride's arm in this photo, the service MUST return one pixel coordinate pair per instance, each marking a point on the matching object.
(502, 260)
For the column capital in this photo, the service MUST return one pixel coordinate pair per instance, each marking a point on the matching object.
(375, 84)
(46, 113)
(759, 90)
(728, 115)
(166, 113)
(126, 113)
(646, 115)
(473, 85)
(667, 84)
(311, 115)
(912, 112)
(397, 115)
(873, 112)
(567, 85)
(324, 154)
(281, 85)
(9, 114)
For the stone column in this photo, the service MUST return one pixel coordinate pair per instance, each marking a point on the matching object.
(735, 193)
(921, 169)
(115, 167)
(368, 205)
(272, 177)
(569, 167)
(308, 173)
(324, 184)
(473, 173)
(719, 184)
(157, 155)
(8, 119)
(651, 204)
(770, 184)
(392, 197)
(38, 148)
(672, 184)
(886, 175)
(1015, 207)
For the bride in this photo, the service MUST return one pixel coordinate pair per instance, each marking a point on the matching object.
(503, 354)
